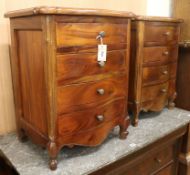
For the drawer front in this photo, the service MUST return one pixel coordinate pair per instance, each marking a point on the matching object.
(155, 74)
(84, 34)
(91, 137)
(160, 55)
(87, 65)
(158, 34)
(90, 93)
(152, 163)
(156, 92)
(80, 121)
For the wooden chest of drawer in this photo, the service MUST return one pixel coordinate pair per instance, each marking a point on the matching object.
(63, 94)
(153, 64)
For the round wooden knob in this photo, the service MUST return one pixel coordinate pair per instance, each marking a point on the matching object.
(166, 53)
(167, 33)
(100, 118)
(165, 72)
(163, 90)
(100, 91)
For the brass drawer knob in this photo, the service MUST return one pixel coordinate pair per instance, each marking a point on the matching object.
(166, 53)
(101, 91)
(100, 118)
(167, 33)
(165, 72)
(101, 63)
(101, 35)
(163, 90)
(158, 160)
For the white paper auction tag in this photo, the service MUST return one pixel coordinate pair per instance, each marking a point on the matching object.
(102, 52)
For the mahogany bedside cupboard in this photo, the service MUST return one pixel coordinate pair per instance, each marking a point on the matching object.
(63, 95)
(153, 63)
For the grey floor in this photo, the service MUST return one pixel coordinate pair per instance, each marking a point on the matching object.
(30, 159)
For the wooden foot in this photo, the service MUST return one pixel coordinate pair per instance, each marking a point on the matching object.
(135, 122)
(53, 164)
(171, 103)
(135, 119)
(22, 135)
(123, 128)
(123, 135)
(53, 151)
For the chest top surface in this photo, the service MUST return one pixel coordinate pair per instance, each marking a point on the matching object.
(43, 10)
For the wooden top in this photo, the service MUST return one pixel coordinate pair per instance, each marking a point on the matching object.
(158, 18)
(43, 10)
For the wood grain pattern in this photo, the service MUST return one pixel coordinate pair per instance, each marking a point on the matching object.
(155, 74)
(92, 137)
(158, 34)
(80, 121)
(30, 55)
(67, 11)
(56, 91)
(83, 65)
(77, 34)
(160, 55)
(154, 65)
(82, 94)
(153, 92)
(158, 19)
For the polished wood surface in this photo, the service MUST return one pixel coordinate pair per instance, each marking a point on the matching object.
(153, 64)
(79, 121)
(160, 34)
(158, 19)
(76, 34)
(67, 11)
(63, 95)
(84, 94)
(87, 65)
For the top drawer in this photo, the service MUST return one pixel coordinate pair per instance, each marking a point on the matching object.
(157, 33)
(80, 35)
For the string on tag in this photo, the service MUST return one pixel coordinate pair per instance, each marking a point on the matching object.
(101, 41)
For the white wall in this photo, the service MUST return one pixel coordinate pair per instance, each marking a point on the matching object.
(159, 8)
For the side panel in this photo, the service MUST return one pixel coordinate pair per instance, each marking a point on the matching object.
(32, 82)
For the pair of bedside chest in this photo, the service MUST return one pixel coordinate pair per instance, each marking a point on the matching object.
(64, 96)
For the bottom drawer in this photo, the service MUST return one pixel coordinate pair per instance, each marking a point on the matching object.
(83, 120)
(154, 97)
(92, 137)
(153, 163)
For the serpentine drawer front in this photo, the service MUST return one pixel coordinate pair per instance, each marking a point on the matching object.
(64, 94)
(153, 64)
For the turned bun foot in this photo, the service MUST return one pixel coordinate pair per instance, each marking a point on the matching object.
(135, 122)
(123, 135)
(22, 136)
(171, 105)
(53, 164)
